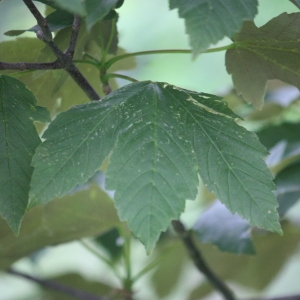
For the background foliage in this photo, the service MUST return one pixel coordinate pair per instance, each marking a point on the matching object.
(273, 252)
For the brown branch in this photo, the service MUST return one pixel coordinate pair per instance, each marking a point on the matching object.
(53, 285)
(199, 262)
(42, 22)
(293, 297)
(65, 59)
(74, 35)
(23, 66)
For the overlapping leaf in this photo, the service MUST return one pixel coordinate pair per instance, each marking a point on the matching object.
(97, 10)
(88, 212)
(158, 137)
(228, 232)
(57, 20)
(208, 21)
(18, 140)
(269, 52)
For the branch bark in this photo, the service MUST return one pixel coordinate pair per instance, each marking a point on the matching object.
(64, 60)
(53, 285)
(199, 262)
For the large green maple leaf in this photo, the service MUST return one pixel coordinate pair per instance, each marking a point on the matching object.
(208, 21)
(269, 52)
(18, 140)
(158, 138)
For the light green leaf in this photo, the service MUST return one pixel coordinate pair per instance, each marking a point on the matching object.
(158, 136)
(228, 232)
(269, 52)
(208, 21)
(88, 212)
(18, 139)
(97, 10)
(57, 20)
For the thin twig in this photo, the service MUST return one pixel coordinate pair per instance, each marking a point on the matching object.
(42, 22)
(64, 58)
(74, 35)
(50, 284)
(200, 262)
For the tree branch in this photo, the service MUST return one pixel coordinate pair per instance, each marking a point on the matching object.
(23, 66)
(200, 263)
(50, 284)
(74, 35)
(65, 59)
(42, 22)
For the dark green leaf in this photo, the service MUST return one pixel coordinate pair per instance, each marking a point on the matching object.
(73, 150)
(228, 232)
(271, 135)
(269, 52)
(148, 128)
(50, 3)
(72, 6)
(97, 10)
(207, 22)
(288, 188)
(111, 242)
(86, 213)
(296, 2)
(19, 140)
(57, 20)
(101, 33)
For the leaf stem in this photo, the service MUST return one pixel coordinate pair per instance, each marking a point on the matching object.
(111, 37)
(114, 75)
(199, 262)
(101, 257)
(113, 60)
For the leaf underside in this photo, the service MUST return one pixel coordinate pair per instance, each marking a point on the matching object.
(208, 21)
(158, 138)
(18, 140)
(269, 52)
(228, 232)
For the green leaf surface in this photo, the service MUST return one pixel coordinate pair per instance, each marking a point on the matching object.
(73, 150)
(57, 20)
(208, 21)
(158, 136)
(86, 213)
(72, 6)
(230, 233)
(288, 188)
(97, 10)
(269, 52)
(110, 242)
(18, 140)
(272, 135)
